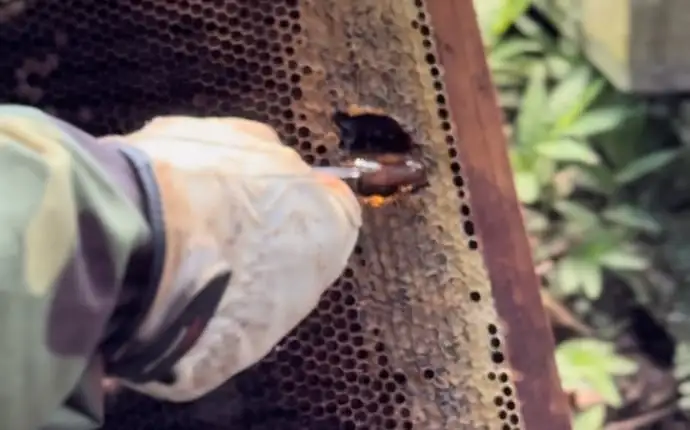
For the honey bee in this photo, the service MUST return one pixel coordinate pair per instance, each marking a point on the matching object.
(385, 156)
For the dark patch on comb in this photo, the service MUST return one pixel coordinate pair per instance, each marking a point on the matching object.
(370, 132)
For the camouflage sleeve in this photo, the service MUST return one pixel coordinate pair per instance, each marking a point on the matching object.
(70, 223)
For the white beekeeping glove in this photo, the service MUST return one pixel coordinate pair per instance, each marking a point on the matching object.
(242, 211)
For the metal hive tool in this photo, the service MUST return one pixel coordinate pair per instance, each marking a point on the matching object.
(436, 322)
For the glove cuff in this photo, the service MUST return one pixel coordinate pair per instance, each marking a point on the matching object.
(143, 277)
(174, 310)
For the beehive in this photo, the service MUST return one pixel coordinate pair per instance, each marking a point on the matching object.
(436, 323)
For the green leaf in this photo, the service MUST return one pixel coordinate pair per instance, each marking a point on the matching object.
(619, 365)
(645, 165)
(622, 260)
(535, 221)
(597, 121)
(531, 125)
(599, 242)
(545, 169)
(495, 17)
(513, 47)
(588, 352)
(589, 346)
(530, 28)
(589, 362)
(592, 281)
(509, 12)
(567, 275)
(576, 212)
(597, 179)
(566, 95)
(585, 352)
(519, 160)
(632, 217)
(503, 80)
(563, 183)
(510, 61)
(558, 65)
(527, 187)
(486, 11)
(592, 418)
(605, 386)
(568, 150)
(575, 109)
(507, 98)
(575, 275)
(593, 91)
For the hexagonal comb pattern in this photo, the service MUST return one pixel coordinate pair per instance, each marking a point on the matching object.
(408, 337)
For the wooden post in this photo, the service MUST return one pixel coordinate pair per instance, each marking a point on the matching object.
(482, 149)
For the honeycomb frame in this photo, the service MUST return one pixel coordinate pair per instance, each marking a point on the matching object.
(433, 325)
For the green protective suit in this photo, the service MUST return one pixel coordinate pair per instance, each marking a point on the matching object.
(70, 223)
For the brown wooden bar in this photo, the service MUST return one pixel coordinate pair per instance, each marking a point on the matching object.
(482, 148)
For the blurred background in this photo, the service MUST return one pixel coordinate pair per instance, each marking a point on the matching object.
(596, 101)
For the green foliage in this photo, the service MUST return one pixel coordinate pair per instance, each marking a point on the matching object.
(645, 165)
(589, 364)
(554, 154)
(592, 365)
(600, 183)
(578, 157)
(592, 418)
(582, 269)
(553, 127)
(497, 16)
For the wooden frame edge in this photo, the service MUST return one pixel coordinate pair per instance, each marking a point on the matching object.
(497, 215)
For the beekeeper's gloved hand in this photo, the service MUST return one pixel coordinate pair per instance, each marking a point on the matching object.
(247, 220)
(168, 260)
